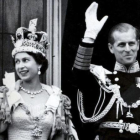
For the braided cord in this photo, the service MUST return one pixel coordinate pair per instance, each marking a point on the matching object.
(97, 116)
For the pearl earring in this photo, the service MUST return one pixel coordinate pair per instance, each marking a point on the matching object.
(39, 72)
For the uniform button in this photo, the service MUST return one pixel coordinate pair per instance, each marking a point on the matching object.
(116, 79)
(120, 121)
(115, 72)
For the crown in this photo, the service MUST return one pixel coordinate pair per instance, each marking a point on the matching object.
(29, 40)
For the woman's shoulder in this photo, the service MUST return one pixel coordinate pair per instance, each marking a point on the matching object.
(57, 91)
(52, 89)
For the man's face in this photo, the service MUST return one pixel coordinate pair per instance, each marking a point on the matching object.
(125, 47)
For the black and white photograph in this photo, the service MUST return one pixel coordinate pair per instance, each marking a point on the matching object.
(69, 70)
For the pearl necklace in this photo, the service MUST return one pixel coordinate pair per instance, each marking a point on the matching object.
(32, 93)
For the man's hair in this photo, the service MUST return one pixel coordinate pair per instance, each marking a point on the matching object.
(121, 27)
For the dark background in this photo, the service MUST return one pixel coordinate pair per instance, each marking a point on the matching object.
(127, 11)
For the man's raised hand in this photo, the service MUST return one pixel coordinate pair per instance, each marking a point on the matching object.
(93, 25)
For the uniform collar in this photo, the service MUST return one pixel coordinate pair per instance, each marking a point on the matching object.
(132, 69)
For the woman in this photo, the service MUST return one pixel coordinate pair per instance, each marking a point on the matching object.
(32, 110)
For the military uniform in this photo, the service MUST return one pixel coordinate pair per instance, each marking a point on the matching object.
(115, 118)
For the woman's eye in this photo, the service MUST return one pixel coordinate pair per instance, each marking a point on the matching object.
(25, 60)
(17, 62)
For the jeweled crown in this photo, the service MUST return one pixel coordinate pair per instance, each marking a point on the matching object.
(29, 40)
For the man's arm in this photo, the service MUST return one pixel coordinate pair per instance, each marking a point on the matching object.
(86, 83)
(93, 27)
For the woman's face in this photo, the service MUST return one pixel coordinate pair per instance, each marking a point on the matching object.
(26, 66)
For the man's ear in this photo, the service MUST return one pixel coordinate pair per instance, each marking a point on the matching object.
(110, 48)
(138, 44)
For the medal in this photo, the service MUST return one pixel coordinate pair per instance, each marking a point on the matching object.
(129, 114)
(137, 80)
(37, 132)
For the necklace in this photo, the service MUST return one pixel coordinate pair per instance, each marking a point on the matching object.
(121, 102)
(32, 93)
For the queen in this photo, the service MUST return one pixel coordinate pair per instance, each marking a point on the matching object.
(32, 110)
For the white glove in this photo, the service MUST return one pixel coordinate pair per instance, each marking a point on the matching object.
(93, 26)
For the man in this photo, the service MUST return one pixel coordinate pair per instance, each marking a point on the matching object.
(113, 116)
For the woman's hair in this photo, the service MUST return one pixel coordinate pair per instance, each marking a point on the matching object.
(40, 59)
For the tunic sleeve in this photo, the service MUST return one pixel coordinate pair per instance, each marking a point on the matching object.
(85, 80)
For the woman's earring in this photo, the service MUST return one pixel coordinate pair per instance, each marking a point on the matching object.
(39, 72)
